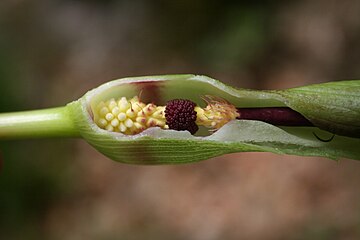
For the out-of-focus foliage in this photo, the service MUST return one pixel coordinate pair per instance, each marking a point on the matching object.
(51, 52)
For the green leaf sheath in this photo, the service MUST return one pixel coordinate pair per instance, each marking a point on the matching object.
(53, 122)
(331, 106)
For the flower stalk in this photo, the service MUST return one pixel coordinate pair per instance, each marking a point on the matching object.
(52, 122)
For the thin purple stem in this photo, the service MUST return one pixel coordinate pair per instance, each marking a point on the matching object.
(281, 116)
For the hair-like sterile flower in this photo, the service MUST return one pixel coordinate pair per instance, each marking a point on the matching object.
(217, 113)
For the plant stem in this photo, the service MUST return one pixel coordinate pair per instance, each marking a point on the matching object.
(281, 116)
(52, 122)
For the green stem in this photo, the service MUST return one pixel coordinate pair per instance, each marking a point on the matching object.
(52, 122)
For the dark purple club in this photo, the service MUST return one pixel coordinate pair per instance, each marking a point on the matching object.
(281, 116)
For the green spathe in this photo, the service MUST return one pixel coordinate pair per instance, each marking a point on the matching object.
(331, 106)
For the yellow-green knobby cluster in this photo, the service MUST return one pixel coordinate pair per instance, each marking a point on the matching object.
(131, 116)
(128, 116)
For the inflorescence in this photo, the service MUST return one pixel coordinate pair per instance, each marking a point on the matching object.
(133, 116)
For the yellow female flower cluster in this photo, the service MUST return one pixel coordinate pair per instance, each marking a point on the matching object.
(128, 116)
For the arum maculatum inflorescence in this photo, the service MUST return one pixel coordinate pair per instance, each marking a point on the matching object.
(187, 118)
(133, 116)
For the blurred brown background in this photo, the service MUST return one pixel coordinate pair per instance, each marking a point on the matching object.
(52, 52)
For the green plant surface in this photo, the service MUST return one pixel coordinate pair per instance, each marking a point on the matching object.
(52, 122)
(158, 146)
(334, 108)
